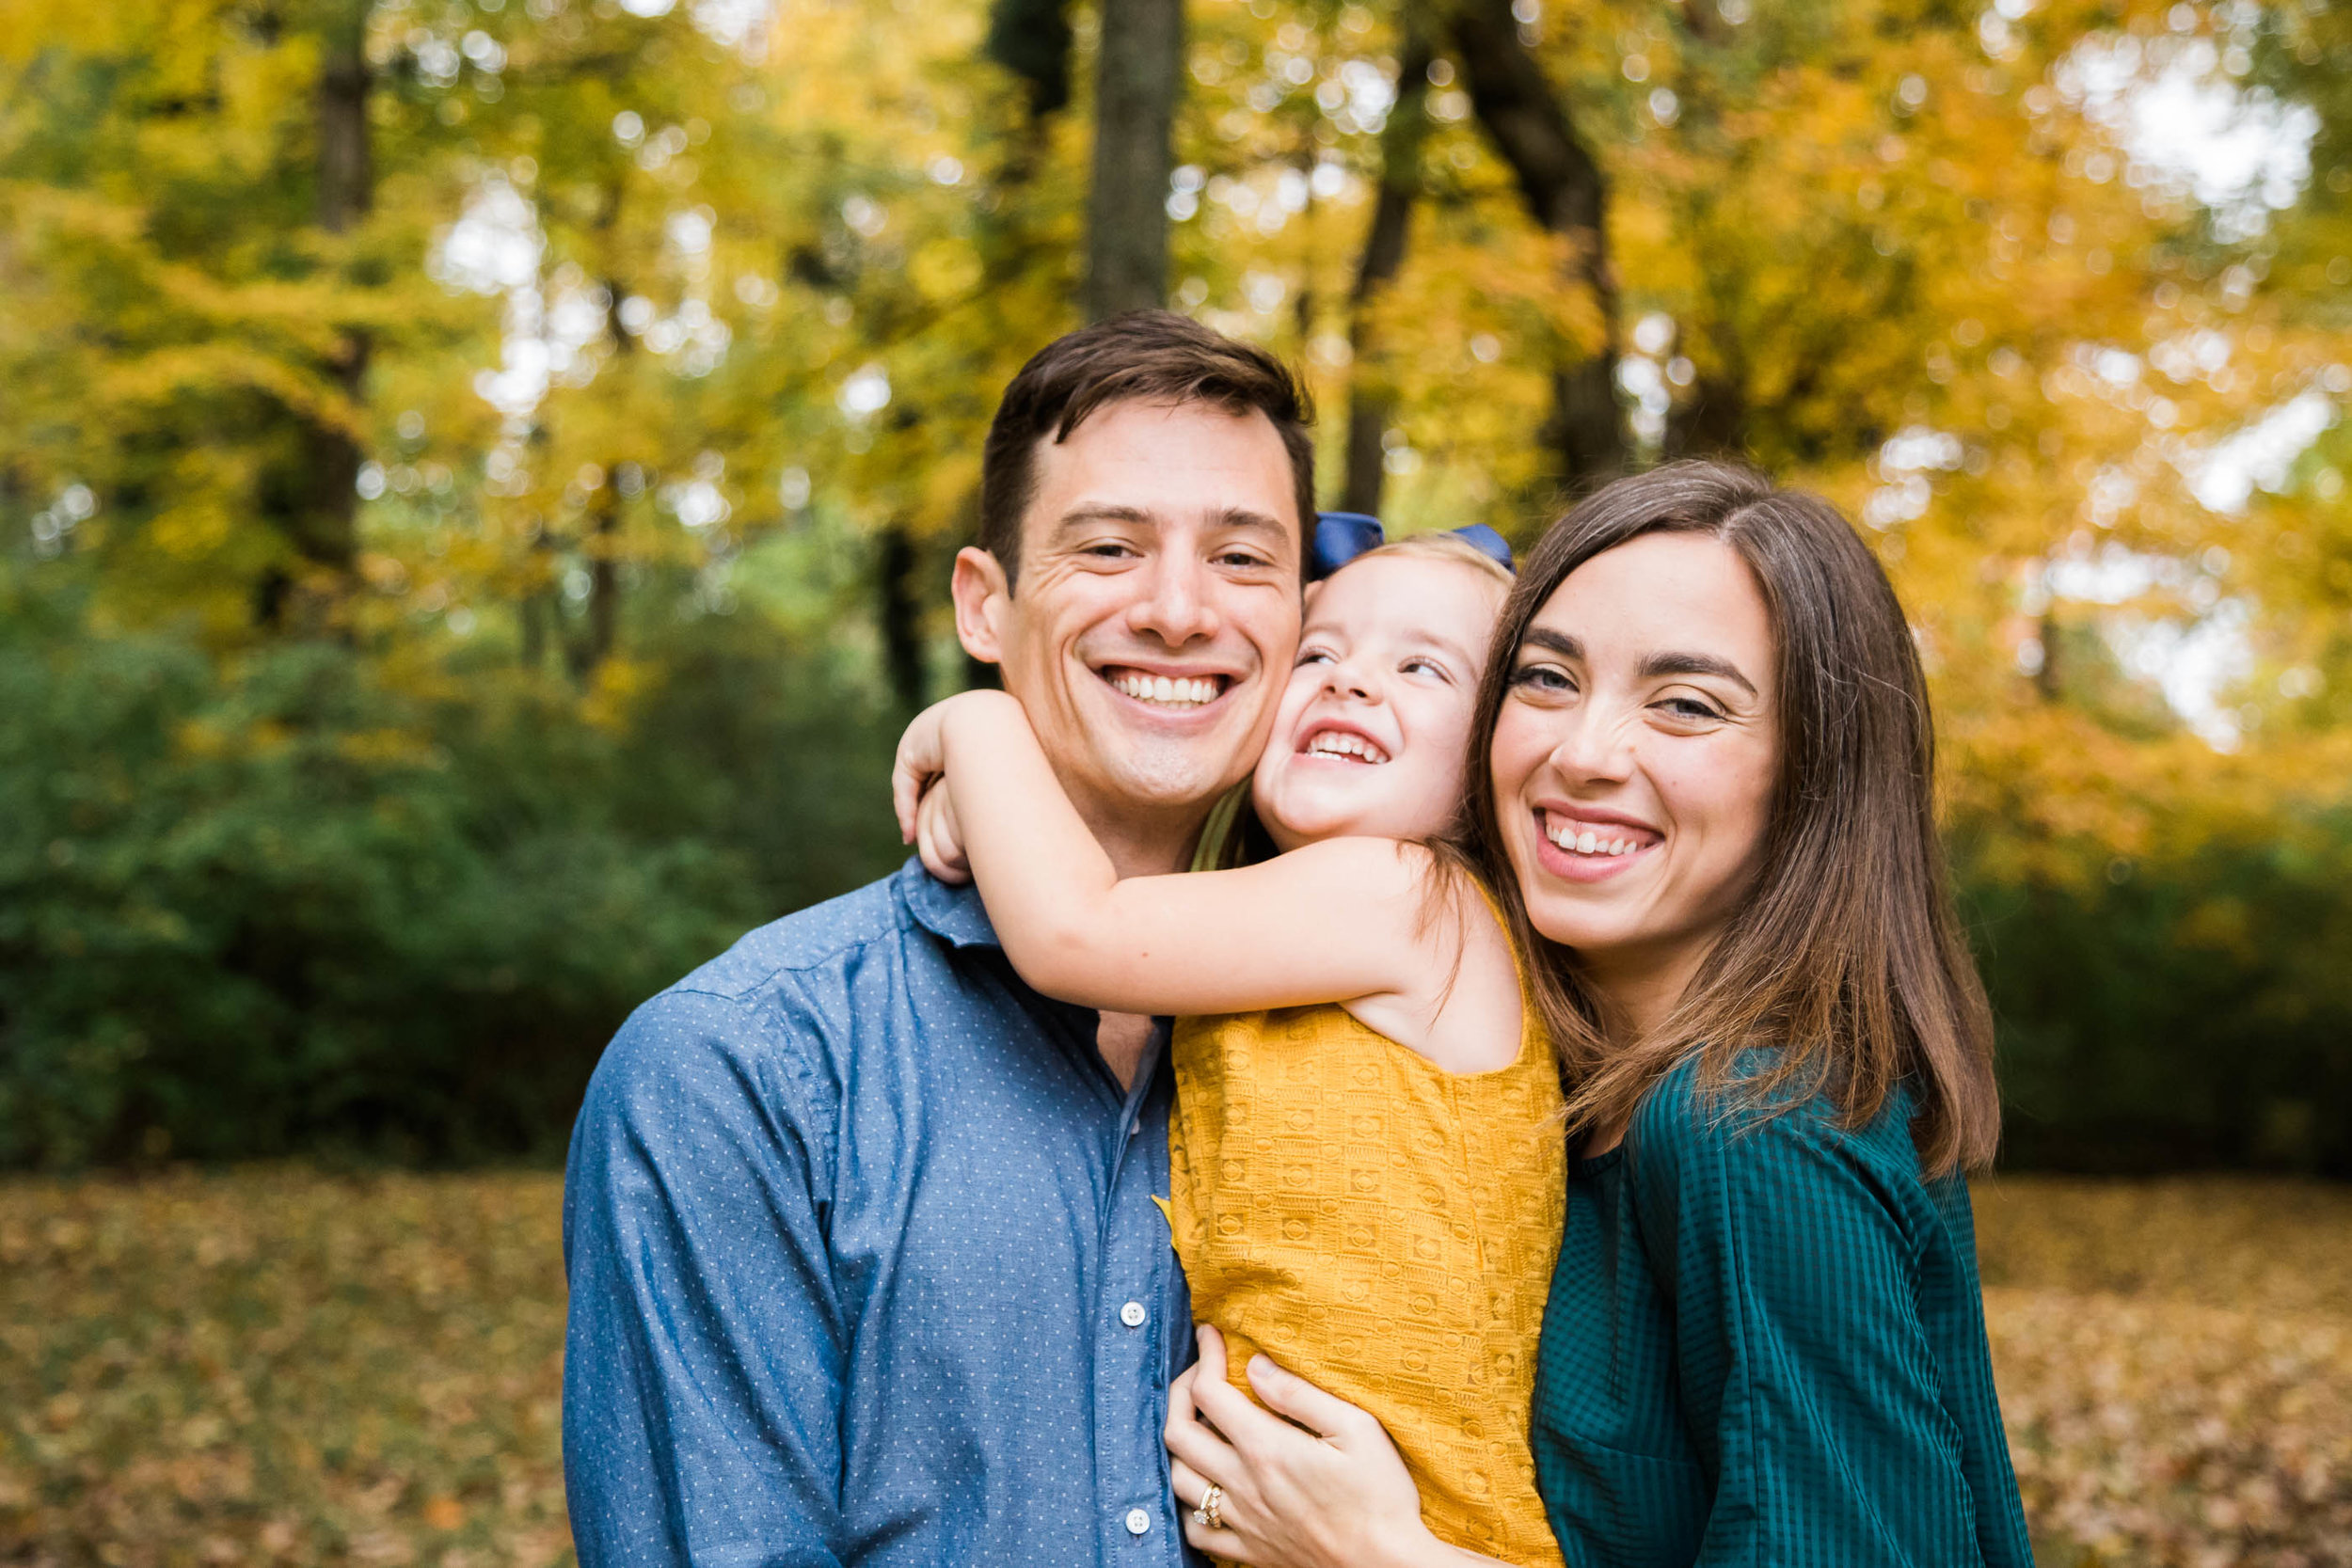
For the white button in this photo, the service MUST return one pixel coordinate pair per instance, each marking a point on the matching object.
(1133, 1314)
(1138, 1520)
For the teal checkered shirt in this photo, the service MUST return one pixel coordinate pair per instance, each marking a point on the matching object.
(1765, 1346)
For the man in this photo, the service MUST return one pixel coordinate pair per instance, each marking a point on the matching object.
(865, 1266)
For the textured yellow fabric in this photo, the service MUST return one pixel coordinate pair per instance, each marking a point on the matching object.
(1386, 1230)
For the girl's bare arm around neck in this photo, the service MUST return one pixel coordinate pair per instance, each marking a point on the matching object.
(1332, 922)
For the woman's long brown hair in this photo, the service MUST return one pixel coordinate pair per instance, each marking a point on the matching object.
(1844, 962)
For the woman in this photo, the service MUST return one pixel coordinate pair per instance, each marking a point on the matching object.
(1764, 1342)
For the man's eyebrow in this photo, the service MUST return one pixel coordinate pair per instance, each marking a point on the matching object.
(1256, 522)
(1101, 512)
(1696, 664)
(1225, 518)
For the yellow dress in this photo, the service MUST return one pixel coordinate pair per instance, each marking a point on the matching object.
(1387, 1229)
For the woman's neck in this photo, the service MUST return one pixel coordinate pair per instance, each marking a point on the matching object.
(1639, 990)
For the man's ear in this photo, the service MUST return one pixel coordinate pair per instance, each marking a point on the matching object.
(981, 595)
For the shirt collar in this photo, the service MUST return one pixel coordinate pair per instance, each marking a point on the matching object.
(955, 913)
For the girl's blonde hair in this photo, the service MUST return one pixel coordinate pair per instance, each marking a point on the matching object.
(1438, 546)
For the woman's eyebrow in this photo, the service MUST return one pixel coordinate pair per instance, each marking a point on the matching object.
(1558, 642)
(1695, 664)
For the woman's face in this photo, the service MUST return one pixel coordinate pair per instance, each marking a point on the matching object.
(1635, 752)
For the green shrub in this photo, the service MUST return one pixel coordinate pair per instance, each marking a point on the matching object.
(283, 902)
(274, 903)
(2186, 1013)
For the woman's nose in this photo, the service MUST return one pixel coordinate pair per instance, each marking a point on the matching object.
(1593, 744)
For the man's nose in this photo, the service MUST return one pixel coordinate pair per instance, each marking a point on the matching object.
(1175, 606)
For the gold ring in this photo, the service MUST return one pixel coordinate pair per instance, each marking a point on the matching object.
(1212, 1501)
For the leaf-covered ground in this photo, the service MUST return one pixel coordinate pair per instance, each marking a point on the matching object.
(2175, 1363)
(278, 1366)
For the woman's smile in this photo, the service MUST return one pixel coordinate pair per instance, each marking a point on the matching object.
(1590, 846)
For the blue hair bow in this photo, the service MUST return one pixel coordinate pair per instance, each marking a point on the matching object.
(1342, 536)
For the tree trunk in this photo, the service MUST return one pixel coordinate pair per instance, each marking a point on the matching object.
(347, 171)
(897, 580)
(1134, 111)
(324, 528)
(1564, 190)
(1371, 406)
(533, 613)
(604, 590)
(1031, 38)
(1709, 422)
(603, 545)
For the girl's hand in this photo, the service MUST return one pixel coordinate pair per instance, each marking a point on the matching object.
(922, 758)
(937, 838)
(1335, 1495)
(919, 780)
(923, 751)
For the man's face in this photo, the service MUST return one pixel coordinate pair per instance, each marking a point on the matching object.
(1156, 604)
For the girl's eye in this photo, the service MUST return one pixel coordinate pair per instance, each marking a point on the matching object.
(1425, 667)
(1312, 655)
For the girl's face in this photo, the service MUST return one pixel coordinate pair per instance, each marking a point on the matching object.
(1372, 731)
(1635, 752)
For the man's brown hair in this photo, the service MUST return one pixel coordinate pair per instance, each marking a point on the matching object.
(1144, 355)
(1844, 963)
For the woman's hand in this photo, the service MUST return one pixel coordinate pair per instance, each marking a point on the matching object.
(1336, 1494)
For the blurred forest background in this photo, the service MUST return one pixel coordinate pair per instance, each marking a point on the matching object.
(477, 476)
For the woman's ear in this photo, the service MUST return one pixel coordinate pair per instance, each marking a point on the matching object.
(981, 595)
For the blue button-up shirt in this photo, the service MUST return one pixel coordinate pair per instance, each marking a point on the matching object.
(865, 1266)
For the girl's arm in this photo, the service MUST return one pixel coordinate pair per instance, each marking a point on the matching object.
(1317, 1484)
(1332, 922)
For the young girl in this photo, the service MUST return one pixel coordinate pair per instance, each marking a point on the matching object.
(1366, 1163)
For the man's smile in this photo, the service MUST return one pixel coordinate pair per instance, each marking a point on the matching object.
(1166, 691)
